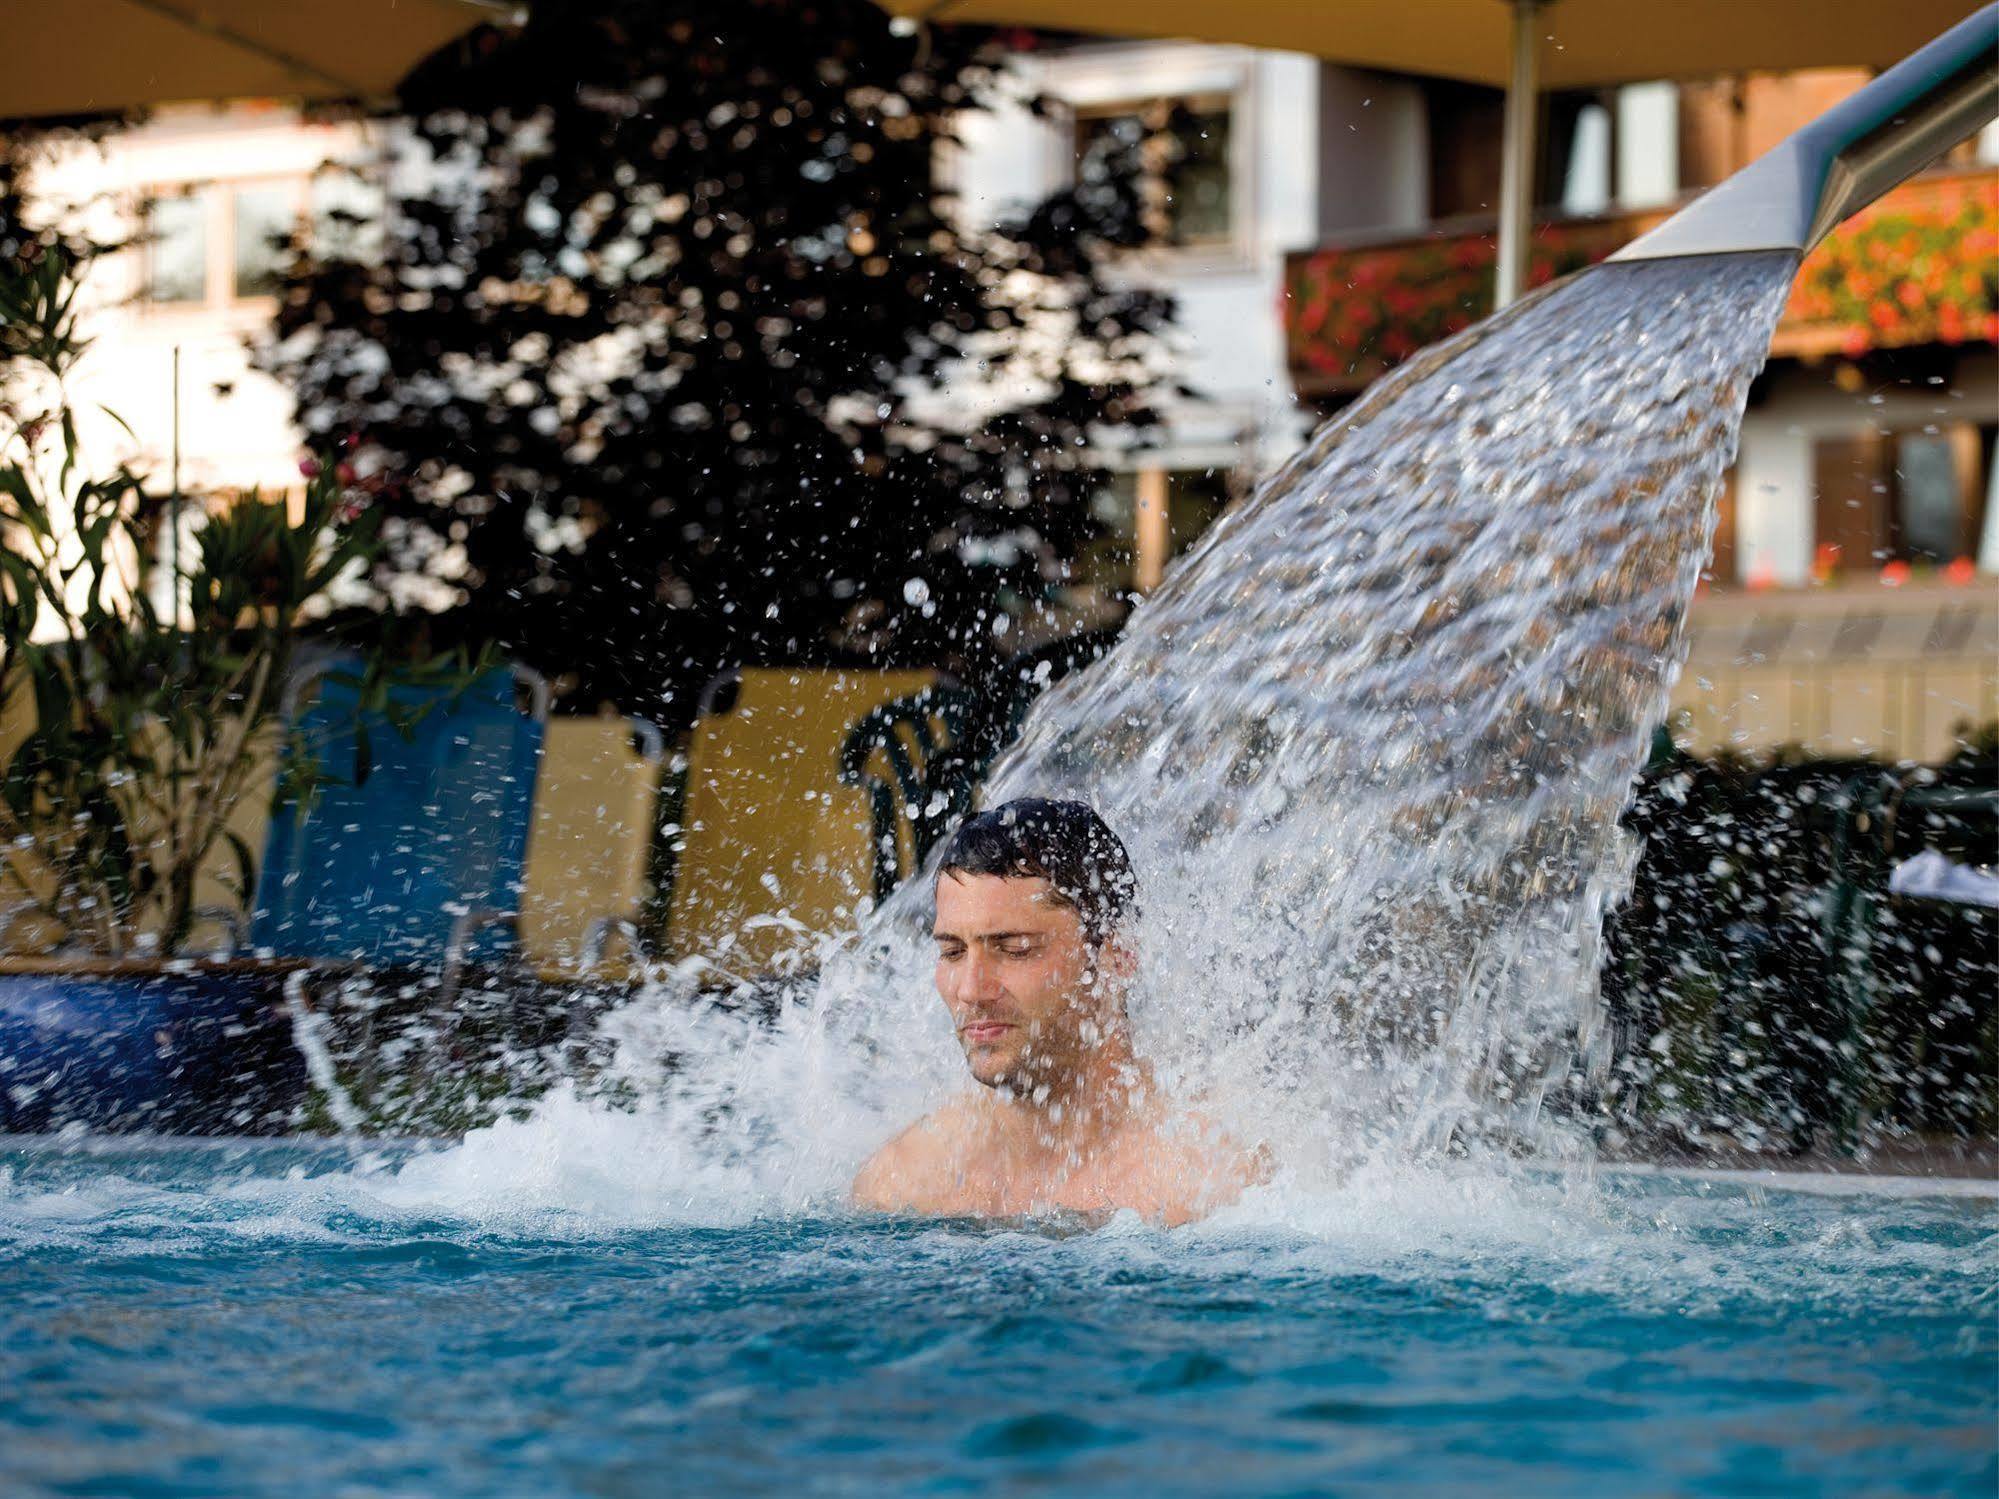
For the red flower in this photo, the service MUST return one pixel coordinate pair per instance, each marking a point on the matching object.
(1470, 254)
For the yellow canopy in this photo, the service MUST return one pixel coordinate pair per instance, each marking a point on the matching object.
(1582, 42)
(100, 57)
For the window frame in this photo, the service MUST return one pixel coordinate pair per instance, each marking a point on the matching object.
(1207, 101)
(197, 190)
(1873, 462)
(1100, 76)
(219, 266)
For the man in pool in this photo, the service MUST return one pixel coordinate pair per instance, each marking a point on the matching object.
(1035, 901)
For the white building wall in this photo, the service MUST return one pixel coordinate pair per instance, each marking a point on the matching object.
(235, 430)
(1230, 344)
(1775, 480)
(234, 425)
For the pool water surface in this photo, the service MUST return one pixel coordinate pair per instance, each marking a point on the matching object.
(276, 1319)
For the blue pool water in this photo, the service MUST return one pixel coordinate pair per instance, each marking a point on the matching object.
(278, 1319)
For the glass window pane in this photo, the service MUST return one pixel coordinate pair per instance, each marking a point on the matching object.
(346, 216)
(1929, 508)
(1197, 185)
(1185, 150)
(177, 248)
(265, 219)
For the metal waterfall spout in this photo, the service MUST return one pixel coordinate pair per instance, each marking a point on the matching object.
(1792, 196)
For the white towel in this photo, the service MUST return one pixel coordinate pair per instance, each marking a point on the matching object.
(1930, 876)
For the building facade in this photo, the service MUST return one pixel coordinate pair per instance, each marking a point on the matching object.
(1316, 225)
(202, 198)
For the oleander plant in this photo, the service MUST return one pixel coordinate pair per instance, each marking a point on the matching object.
(141, 682)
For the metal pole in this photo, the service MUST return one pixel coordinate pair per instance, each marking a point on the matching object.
(1516, 168)
(173, 501)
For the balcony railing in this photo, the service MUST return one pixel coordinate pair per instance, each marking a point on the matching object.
(1920, 266)
(1909, 671)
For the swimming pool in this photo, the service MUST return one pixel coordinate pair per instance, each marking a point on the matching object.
(276, 1318)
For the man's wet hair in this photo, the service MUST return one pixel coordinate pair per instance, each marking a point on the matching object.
(1064, 843)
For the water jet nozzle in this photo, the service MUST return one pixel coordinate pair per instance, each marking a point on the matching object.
(1792, 195)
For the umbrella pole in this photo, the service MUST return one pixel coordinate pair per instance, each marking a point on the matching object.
(1516, 167)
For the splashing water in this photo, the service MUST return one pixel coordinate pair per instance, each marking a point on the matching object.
(1368, 745)
(1373, 739)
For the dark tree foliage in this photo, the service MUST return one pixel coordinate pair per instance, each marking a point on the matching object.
(1766, 989)
(673, 358)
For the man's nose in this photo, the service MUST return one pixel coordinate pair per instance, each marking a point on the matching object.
(980, 976)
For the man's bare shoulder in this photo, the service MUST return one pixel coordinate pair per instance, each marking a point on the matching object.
(910, 1173)
(1197, 1165)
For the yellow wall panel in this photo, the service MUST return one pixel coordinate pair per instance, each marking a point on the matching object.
(777, 849)
(594, 800)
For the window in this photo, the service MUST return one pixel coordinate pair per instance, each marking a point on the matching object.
(1908, 497)
(1929, 500)
(265, 217)
(213, 244)
(1178, 149)
(346, 215)
(1586, 175)
(176, 248)
(1598, 148)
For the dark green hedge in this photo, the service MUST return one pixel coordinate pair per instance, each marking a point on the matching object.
(1764, 988)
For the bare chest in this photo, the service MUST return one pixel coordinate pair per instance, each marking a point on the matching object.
(998, 1187)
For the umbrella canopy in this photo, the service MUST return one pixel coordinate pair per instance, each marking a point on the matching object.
(103, 57)
(1583, 43)
(1521, 45)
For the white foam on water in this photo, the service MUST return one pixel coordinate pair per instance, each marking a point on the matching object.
(1873, 1184)
(1484, 1232)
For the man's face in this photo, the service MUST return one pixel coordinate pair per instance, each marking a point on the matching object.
(1027, 993)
